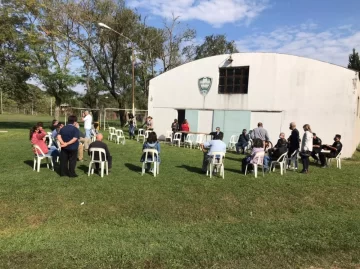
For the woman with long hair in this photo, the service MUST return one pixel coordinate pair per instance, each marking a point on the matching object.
(151, 143)
(306, 148)
(37, 135)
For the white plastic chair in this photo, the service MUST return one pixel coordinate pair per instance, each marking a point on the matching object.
(248, 148)
(338, 160)
(59, 149)
(233, 141)
(260, 162)
(293, 158)
(49, 140)
(281, 161)
(141, 134)
(151, 156)
(199, 140)
(147, 135)
(217, 162)
(103, 163)
(169, 136)
(111, 133)
(189, 141)
(177, 139)
(39, 156)
(119, 137)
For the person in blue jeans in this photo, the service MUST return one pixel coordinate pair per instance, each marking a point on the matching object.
(151, 143)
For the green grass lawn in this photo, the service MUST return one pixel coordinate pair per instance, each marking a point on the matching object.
(180, 219)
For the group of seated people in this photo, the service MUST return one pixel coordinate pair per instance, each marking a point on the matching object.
(311, 145)
(72, 143)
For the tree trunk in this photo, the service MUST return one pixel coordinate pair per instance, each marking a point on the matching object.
(57, 112)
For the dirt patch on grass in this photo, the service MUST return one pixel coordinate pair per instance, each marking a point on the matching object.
(36, 221)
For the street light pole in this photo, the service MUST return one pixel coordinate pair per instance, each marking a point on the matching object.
(103, 25)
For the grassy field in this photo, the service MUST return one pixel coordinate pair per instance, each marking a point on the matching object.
(180, 219)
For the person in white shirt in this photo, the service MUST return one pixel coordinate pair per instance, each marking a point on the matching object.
(215, 145)
(306, 148)
(87, 119)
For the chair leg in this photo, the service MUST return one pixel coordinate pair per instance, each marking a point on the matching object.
(90, 168)
(158, 167)
(255, 169)
(281, 169)
(107, 168)
(223, 171)
(102, 169)
(143, 168)
(34, 164)
(52, 164)
(38, 164)
(246, 169)
(284, 164)
(154, 169)
(211, 170)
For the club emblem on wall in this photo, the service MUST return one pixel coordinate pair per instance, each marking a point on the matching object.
(204, 85)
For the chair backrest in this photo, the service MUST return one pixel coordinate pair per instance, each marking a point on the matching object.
(112, 130)
(101, 153)
(152, 153)
(168, 134)
(338, 156)
(50, 139)
(218, 157)
(119, 133)
(294, 153)
(189, 138)
(141, 132)
(177, 135)
(282, 158)
(37, 150)
(260, 157)
(147, 133)
(234, 138)
(200, 138)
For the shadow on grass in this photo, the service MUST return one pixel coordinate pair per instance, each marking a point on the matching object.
(43, 165)
(16, 125)
(133, 167)
(84, 168)
(235, 159)
(29, 163)
(192, 169)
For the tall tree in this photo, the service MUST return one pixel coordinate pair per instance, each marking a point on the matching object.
(14, 57)
(109, 52)
(214, 45)
(52, 53)
(354, 61)
(175, 37)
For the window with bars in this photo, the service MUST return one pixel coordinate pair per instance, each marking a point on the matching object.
(234, 80)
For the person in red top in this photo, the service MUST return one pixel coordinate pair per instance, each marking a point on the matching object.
(185, 127)
(37, 137)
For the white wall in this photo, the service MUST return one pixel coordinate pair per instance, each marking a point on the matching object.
(271, 121)
(205, 117)
(306, 90)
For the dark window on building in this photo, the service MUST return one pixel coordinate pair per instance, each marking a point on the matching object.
(234, 80)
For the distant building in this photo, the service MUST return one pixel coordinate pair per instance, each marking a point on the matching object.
(239, 91)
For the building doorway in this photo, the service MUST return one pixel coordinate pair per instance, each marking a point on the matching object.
(181, 116)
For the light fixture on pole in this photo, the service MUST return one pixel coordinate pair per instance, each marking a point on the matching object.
(103, 25)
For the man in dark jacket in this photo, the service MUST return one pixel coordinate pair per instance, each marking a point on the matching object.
(280, 148)
(242, 142)
(99, 144)
(335, 149)
(316, 147)
(175, 126)
(216, 135)
(294, 141)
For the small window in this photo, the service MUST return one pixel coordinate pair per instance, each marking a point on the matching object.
(234, 80)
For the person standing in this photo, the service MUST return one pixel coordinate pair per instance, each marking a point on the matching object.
(260, 133)
(306, 148)
(69, 140)
(87, 119)
(175, 126)
(294, 143)
(132, 126)
(316, 147)
(185, 127)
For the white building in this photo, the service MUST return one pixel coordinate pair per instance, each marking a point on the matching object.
(248, 88)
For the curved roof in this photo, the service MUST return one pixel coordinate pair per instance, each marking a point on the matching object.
(271, 53)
